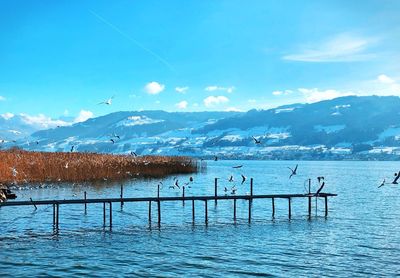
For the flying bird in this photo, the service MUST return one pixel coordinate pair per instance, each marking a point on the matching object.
(72, 149)
(191, 179)
(116, 135)
(397, 176)
(177, 185)
(382, 184)
(243, 179)
(133, 153)
(237, 167)
(320, 179)
(294, 172)
(108, 101)
(112, 140)
(216, 158)
(257, 141)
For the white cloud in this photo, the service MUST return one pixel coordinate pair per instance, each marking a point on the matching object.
(41, 121)
(7, 116)
(215, 100)
(218, 88)
(83, 116)
(340, 48)
(279, 93)
(385, 79)
(2, 98)
(181, 90)
(315, 94)
(182, 105)
(154, 88)
(233, 109)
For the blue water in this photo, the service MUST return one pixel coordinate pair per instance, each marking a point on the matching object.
(360, 237)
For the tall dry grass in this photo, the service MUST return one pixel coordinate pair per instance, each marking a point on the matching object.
(18, 166)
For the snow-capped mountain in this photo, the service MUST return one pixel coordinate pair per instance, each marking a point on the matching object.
(347, 127)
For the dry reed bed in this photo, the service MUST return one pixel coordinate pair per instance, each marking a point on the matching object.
(18, 166)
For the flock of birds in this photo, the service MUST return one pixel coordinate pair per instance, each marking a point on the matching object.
(233, 189)
(395, 180)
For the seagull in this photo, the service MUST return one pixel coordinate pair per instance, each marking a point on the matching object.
(382, 184)
(216, 158)
(237, 167)
(177, 185)
(14, 172)
(133, 153)
(233, 190)
(294, 172)
(112, 140)
(257, 141)
(320, 179)
(243, 179)
(397, 176)
(319, 190)
(225, 189)
(72, 149)
(116, 136)
(191, 179)
(231, 179)
(108, 101)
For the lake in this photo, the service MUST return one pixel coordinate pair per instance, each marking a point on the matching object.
(360, 237)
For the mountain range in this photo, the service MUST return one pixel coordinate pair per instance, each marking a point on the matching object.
(343, 128)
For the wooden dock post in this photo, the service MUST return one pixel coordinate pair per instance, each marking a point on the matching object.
(273, 207)
(234, 209)
(290, 207)
(158, 191)
(122, 195)
(309, 207)
(326, 206)
(183, 195)
(85, 197)
(216, 189)
(150, 211)
(57, 216)
(104, 214)
(193, 215)
(251, 187)
(206, 212)
(250, 204)
(159, 212)
(54, 215)
(110, 215)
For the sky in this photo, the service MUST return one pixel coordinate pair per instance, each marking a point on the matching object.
(63, 58)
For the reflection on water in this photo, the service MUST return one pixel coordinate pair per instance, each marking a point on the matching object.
(360, 236)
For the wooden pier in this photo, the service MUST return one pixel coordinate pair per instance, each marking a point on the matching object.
(158, 200)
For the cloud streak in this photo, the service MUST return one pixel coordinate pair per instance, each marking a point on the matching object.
(134, 41)
(340, 48)
(215, 100)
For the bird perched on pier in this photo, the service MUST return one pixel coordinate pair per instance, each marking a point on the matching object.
(243, 179)
(233, 190)
(108, 101)
(256, 141)
(225, 189)
(382, 184)
(397, 176)
(320, 189)
(294, 171)
(231, 179)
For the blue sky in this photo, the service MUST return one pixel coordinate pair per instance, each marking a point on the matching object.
(64, 57)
